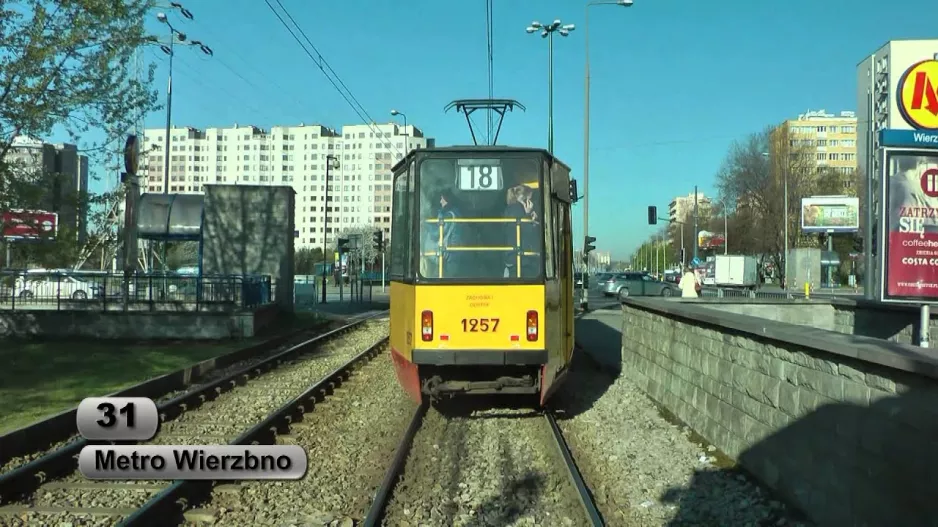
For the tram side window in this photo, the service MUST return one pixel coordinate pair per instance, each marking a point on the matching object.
(400, 237)
(472, 214)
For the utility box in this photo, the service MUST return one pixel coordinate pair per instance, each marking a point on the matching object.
(804, 266)
(248, 230)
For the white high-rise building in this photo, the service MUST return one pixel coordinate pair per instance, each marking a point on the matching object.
(360, 193)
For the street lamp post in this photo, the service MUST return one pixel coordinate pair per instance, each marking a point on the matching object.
(785, 217)
(330, 160)
(169, 49)
(586, 130)
(406, 151)
(404, 117)
(548, 33)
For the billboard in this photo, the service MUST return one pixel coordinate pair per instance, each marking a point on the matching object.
(709, 240)
(830, 214)
(910, 261)
(29, 225)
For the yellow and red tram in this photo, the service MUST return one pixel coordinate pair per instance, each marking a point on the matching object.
(481, 271)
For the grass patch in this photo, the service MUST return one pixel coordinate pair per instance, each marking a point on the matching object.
(43, 378)
(38, 379)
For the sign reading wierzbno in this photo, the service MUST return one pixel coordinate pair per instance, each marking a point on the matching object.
(209, 462)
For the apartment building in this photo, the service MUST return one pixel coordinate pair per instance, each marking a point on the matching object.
(63, 172)
(359, 189)
(832, 139)
(681, 208)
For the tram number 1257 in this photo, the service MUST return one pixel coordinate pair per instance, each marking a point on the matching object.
(475, 325)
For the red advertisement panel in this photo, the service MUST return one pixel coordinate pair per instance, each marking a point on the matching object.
(29, 224)
(912, 226)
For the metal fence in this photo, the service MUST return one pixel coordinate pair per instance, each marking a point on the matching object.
(728, 292)
(68, 290)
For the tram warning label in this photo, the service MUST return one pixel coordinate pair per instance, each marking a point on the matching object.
(209, 462)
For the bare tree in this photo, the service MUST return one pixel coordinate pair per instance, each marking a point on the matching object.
(366, 233)
(753, 180)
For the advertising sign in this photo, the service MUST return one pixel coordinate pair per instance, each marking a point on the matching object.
(917, 95)
(709, 240)
(830, 214)
(29, 225)
(911, 226)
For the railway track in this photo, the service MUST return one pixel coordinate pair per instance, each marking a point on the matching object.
(519, 467)
(21, 446)
(245, 407)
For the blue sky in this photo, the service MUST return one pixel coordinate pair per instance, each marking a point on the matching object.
(674, 82)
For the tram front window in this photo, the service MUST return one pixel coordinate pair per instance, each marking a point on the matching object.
(481, 218)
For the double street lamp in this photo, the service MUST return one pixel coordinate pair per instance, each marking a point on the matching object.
(175, 37)
(547, 31)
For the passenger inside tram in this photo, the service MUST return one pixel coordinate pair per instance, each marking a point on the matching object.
(479, 208)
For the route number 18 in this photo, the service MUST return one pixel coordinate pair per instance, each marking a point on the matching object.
(479, 177)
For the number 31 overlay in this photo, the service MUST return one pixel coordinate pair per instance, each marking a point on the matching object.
(118, 418)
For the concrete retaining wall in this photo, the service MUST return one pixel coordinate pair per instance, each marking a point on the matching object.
(845, 427)
(134, 325)
(897, 323)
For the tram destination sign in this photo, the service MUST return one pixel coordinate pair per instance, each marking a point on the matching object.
(479, 174)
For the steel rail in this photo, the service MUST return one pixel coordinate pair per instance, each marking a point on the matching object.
(183, 495)
(391, 477)
(583, 492)
(62, 426)
(25, 479)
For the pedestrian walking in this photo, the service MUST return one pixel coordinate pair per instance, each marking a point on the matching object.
(689, 284)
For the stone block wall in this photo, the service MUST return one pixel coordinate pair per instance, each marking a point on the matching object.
(843, 427)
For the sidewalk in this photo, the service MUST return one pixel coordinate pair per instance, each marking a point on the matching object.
(599, 333)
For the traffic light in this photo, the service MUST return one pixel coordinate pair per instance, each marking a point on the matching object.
(574, 192)
(652, 215)
(343, 245)
(858, 244)
(588, 245)
(683, 255)
(378, 238)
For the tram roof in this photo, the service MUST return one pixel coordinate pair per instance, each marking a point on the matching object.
(477, 148)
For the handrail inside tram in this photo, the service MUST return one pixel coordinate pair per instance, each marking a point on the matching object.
(441, 249)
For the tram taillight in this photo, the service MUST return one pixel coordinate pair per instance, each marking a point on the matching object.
(532, 326)
(426, 326)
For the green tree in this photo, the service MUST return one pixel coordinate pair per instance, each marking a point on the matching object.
(306, 259)
(69, 65)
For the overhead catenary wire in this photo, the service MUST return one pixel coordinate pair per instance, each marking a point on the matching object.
(323, 66)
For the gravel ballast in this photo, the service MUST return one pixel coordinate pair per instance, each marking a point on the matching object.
(644, 470)
(350, 440)
(496, 467)
(209, 377)
(215, 422)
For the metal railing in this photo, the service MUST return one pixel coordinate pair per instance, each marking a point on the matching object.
(90, 291)
(729, 292)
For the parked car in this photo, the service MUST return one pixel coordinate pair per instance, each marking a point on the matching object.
(42, 284)
(623, 285)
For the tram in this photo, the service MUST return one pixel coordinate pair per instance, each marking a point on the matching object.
(481, 270)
